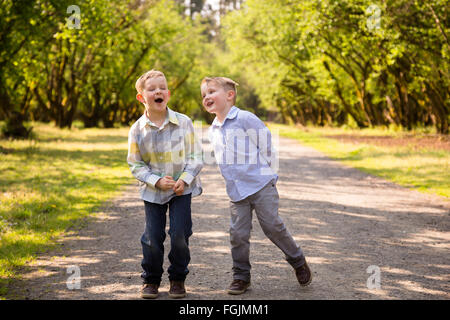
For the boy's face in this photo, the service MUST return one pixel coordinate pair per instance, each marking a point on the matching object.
(155, 94)
(215, 98)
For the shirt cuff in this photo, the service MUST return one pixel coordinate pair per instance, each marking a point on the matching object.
(187, 177)
(153, 179)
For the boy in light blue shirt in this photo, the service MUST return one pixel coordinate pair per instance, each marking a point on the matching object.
(243, 149)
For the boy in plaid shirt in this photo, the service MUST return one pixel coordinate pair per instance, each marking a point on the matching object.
(165, 157)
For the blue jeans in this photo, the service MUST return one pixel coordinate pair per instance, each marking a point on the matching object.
(155, 233)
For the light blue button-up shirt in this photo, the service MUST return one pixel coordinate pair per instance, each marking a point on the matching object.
(244, 152)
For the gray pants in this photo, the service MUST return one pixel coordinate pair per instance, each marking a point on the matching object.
(265, 203)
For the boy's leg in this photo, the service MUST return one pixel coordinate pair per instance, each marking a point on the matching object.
(180, 231)
(240, 227)
(153, 242)
(265, 202)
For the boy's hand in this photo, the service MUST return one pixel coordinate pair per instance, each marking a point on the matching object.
(178, 188)
(165, 183)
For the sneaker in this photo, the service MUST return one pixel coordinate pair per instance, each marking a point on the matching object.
(304, 275)
(238, 286)
(149, 291)
(177, 289)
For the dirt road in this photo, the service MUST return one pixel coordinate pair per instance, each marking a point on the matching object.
(344, 220)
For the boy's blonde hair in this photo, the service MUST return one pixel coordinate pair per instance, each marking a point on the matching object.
(149, 74)
(225, 83)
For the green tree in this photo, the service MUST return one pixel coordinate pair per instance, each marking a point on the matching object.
(25, 30)
(331, 61)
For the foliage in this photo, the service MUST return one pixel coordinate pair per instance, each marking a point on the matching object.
(59, 67)
(50, 184)
(329, 62)
(322, 62)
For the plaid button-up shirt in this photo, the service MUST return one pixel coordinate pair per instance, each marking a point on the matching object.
(171, 150)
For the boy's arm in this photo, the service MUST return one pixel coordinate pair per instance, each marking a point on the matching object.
(194, 161)
(138, 167)
(262, 139)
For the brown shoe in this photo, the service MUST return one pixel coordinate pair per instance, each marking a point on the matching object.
(149, 291)
(238, 286)
(177, 289)
(304, 275)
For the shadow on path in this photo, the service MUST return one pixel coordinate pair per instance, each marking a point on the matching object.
(344, 220)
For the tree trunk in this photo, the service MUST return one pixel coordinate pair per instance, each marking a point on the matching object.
(439, 109)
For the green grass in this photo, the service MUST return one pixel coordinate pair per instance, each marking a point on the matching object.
(424, 169)
(48, 185)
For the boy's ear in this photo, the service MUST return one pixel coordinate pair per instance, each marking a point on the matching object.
(169, 93)
(230, 94)
(140, 98)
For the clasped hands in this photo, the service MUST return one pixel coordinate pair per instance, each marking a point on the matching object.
(167, 183)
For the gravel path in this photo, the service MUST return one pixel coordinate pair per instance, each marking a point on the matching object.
(344, 220)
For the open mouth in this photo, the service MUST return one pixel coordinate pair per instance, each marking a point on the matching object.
(209, 103)
(159, 100)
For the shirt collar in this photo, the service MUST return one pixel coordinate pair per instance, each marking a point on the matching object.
(230, 115)
(173, 117)
(170, 117)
